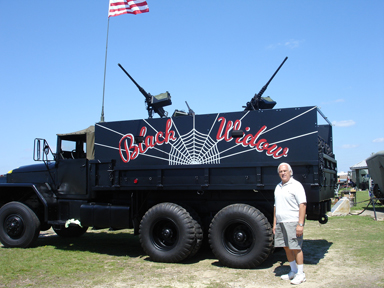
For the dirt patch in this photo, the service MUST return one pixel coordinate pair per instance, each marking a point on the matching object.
(326, 265)
(377, 213)
(331, 270)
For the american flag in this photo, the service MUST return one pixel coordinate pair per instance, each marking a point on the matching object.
(119, 7)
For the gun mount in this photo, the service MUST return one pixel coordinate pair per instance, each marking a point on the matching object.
(258, 102)
(153, 103)
(178, 113)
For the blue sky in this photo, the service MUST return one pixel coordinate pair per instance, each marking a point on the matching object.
(214, 54)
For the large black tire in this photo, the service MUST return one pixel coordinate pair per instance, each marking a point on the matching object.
(167, 233)
(240, 236)
(19, 225)
(199, 237)
(378, 194)
(70, 231)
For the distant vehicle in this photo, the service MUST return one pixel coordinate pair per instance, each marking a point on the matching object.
(375, 166)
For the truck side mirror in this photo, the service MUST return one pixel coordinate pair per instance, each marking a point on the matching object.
(37, 150)
(41, 150)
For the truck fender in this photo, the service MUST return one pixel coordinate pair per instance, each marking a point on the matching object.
(13, 186)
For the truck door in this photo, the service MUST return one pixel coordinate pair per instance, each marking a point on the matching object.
(72, 165)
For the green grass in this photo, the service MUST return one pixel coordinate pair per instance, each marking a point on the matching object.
(360, 235)
(101, 258)
(57, 260)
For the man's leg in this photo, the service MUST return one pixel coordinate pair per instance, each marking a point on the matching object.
(299, 258)
(291, 255)
(292, 262)
(296, 256)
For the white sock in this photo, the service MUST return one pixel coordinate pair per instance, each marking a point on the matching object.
(293, 266)
(300, 269)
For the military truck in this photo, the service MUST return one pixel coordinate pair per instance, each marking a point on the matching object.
(375, 164)
(174, 180)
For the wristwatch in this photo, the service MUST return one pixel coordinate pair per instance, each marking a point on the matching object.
(301, 225)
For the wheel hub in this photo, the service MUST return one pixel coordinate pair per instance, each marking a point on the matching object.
(240, 236)
(167, 233)
(14, 226)
(164, 234)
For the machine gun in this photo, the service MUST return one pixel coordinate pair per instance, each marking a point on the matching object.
(178, 113)
(153, 103)
(258, 102)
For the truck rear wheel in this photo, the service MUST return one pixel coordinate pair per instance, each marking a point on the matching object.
(167, 233)
(240, 236)
(198, 231)
(19, 225)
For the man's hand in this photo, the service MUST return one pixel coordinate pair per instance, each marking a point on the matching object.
(299, 230)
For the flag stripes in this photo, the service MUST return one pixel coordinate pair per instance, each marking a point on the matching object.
(119, 7)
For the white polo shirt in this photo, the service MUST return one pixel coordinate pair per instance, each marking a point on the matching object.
(288, 198)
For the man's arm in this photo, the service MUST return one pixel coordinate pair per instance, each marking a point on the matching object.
(274, 220)
(302, 211)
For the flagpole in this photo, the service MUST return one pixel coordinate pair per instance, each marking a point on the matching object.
(115, 8)
(105, 72)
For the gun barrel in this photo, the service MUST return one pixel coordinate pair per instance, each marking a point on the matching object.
(277, 71)
(255, 101)
(258, 95)
(146, 95)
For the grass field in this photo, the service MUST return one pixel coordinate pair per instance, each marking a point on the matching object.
(345, 252)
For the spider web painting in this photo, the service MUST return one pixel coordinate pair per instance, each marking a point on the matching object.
(194, 148)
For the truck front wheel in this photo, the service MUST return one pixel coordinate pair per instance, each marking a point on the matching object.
(240, 236)
(167, 233)
(19, 225)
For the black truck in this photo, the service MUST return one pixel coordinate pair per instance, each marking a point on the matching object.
(174, 180)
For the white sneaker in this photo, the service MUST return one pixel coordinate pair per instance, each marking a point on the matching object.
(299, 278)
(288, 276)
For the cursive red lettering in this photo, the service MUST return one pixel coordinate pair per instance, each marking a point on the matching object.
(283, 154)
(127, 148)
(219, 135)
(157, 138)
(257, 135)
(169, 134)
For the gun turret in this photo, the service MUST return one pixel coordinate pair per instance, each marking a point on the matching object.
(190, 111)
(178, 113)
(153, 103)
(258, 102)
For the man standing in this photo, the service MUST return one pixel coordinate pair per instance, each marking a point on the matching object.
(288, 222)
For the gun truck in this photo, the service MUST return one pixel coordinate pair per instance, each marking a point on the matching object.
(176, 181)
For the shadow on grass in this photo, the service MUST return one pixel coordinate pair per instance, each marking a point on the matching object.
(314, 251)
(124, 243)
(103, 242)
(121, 243)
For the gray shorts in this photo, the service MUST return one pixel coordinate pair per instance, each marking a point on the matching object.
(285, 236)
